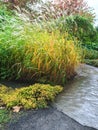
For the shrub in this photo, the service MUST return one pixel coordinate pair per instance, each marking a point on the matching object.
(89, 53)
(93, 62)
(34, 96)
(91, 45)
(78, 26)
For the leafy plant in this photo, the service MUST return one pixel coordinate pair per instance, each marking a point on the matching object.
(34, 96)
(90, 53)
(77, 26)
(93, 62)
(4, 116)
(91, 45)
(80, 27)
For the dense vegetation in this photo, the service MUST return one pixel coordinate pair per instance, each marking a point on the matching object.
(29, 53)
(43, 42)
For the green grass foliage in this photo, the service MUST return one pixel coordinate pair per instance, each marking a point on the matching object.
(4, 117)
(34, 96)
(28, 53)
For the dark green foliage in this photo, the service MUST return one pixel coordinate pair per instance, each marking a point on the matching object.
(77, 26)
(92, 62)
(91, 45)
(5, 16)
(89, 53)
(81, 28)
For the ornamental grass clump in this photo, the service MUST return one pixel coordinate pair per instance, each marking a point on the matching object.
(29, 53)
(33, 96)
(55, 57)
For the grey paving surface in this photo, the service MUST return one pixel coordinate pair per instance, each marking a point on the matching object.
(80, 97)
(46, 119)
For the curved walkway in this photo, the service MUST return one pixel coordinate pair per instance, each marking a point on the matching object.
(45, 119)
(80, 98)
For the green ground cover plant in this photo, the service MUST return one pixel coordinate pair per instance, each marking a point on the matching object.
(33, 96)
(4, 116)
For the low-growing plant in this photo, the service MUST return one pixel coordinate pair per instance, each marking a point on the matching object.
(34, 96)
(4, 117)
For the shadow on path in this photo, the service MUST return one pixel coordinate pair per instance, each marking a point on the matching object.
(45, 119)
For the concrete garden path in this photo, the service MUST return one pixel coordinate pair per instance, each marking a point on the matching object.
(80, 98)
(45, 119)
